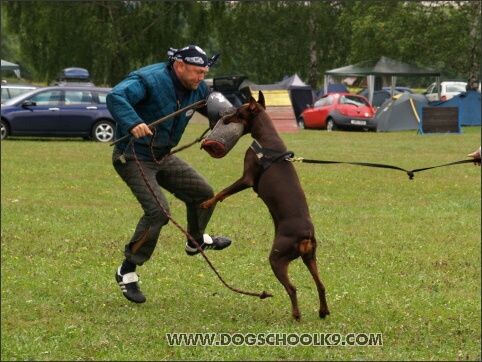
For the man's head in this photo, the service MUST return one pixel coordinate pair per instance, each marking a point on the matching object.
(191, 65)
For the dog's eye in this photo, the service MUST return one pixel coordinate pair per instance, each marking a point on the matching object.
(227, 112)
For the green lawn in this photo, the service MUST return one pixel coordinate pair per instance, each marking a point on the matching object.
(398, 257)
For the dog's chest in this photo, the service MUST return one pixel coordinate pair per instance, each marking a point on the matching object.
(280, 180)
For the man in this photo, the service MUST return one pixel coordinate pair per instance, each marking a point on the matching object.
(145, 96)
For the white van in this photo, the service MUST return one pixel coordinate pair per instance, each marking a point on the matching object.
(448, 89)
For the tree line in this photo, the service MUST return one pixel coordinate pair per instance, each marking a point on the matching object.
(263, 40)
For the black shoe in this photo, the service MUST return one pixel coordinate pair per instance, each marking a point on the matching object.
(208, 242)
(129, 286)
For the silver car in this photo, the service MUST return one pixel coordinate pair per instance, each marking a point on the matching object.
(12, 90)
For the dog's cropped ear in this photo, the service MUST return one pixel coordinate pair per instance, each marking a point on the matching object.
(261, 100)
(252, 104)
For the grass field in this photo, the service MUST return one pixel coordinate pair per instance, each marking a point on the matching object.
(399, 258)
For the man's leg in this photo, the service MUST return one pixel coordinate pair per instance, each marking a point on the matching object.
(188, 185)
(144, 240)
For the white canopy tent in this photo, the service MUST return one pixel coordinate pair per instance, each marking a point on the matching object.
(11, 66)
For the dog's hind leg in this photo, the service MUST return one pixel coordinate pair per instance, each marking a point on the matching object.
(279, 263)
(308, 254)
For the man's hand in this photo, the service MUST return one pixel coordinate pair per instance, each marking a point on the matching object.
(475, 155)
(141, 130)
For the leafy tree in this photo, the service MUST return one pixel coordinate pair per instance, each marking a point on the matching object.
(110, 38)
(443, 36)
(456, 35)
(269, 40)
(264, 40)
(129, 35)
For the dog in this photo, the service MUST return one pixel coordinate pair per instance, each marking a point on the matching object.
(273, 177)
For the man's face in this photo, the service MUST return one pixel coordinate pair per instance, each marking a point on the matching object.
(190, 75)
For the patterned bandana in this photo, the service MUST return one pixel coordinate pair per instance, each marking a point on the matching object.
(192, 54)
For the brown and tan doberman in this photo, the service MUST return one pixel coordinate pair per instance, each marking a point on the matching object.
(274, 178)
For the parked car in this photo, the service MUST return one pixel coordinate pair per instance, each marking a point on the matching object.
(400, 89)
(229, 87)
(448, 89)
(339, 111)
(12, 90)
(60, 111)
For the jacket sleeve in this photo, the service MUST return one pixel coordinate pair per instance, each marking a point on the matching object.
(204, 110)
(122, 99)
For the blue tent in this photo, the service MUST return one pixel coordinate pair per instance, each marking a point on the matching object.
(469, 107)
(332, 87)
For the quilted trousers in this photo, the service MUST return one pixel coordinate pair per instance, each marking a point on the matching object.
(173, 175)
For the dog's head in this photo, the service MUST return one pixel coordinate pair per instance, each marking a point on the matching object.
(247, 113)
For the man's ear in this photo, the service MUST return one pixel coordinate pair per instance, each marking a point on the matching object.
(178, 65)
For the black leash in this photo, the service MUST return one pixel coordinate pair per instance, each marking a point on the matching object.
(409, 173)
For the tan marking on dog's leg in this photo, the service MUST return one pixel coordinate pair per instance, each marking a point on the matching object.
(305, 246)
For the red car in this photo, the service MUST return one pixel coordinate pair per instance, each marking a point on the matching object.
(339, 111)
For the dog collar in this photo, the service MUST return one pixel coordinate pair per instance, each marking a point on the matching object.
(269, 157)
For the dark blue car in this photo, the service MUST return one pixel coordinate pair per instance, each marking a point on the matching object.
(61, 111)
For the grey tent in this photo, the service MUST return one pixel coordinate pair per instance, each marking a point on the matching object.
(11, 66)
(382, 67)
(400, 112)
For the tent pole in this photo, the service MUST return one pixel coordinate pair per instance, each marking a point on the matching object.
(437, 80)
(392, 86)
(371, 85)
